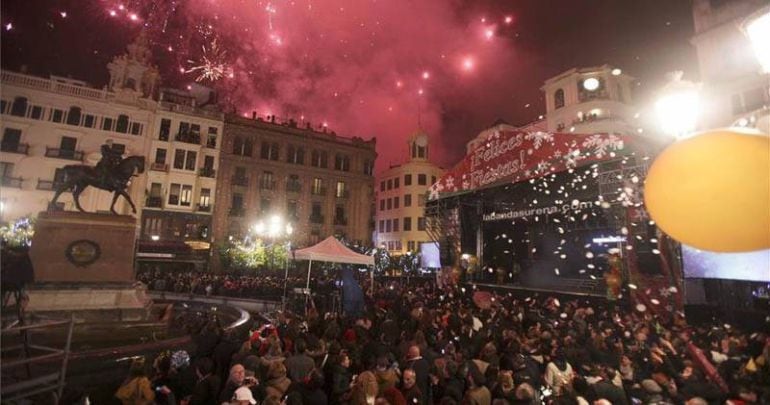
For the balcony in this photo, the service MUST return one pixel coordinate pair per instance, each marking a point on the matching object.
(318, 191)
(342, 194)
(154, 202)
(236, 212)
(293, 187)
(267, 184)
(316, 219)
(207, 172)
(340, 221)
(188, 137)
(48, 185)
(160, 167)
(67, 154)
(204, 208)
(15, 182)
(240, 181)
(20, 148)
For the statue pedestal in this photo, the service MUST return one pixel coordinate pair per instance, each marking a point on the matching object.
(84, 263)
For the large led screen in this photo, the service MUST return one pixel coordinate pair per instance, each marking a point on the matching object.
(750, 266)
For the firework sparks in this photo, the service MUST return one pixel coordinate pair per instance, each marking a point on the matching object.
(212, 65)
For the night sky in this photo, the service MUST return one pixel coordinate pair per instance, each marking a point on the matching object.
(363, 67)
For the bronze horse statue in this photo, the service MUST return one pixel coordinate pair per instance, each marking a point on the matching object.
(78, 177)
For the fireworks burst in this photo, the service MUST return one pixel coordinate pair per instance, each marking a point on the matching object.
(212, 65)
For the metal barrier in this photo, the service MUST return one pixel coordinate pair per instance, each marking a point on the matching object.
(50, 382)
(260, 306)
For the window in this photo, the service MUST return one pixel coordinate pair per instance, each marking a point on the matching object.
(382, 185)
(184, 130)
(390, 184)
(410, 245)
(19, 107)
(266, 181)
(295, 155)
(381, 227)
(173, 194)
(407, 200)
(205, 199)
(165, 129)
(67, 147)
(319, 159)
(407, 224)
(269, 150)
(37, 112)
(292, 210)
(89, 121)
(316, 213)
(422, 179)
(318, 186)
(342, 163)
(186, 197)
(341, 191)
(390, 204)
(237, 145)
(122, 124)
(382, 205)
(421, 151)
(211, 141)
(396, 182)
(107, 124)
(136, 128)
(368, 167)
(240, 172)
(407, 179)
(395, 224)
(388, 225)
(73, 117)
(420, 223)
(57, 115)
(11, 139)
(179, 156)
(236, 202)
(160, 156)
(192, 156)
(339, 214)
(264, 205)
(558, 99)
(420, 200)
(395, 202)
(3, 105)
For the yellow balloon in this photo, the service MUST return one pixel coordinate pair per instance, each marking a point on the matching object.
(712, 191)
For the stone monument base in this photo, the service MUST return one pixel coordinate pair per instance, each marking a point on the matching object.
(90, 302)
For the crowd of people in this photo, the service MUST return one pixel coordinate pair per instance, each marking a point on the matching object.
(425, 345)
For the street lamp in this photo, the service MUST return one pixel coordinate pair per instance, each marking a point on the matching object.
(678, 106)
(276, 229)
(757, 29)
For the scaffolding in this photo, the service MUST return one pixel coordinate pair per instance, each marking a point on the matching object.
(18, 359)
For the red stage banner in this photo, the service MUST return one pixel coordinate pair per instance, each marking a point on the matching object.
(514, 156)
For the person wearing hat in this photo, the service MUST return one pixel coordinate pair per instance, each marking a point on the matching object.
(243, 396)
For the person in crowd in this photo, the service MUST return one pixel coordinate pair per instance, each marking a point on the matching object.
(559, 375)
(341, 378)
(277, 382)
(477, 392)
(235, 380)
(420, 366)
(243, 396)
(207, 388)
(299, 365)
(137, 388)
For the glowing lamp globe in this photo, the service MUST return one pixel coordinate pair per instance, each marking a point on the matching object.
(712, 191)
(591, 84)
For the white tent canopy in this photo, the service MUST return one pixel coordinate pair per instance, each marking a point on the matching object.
(330, 250)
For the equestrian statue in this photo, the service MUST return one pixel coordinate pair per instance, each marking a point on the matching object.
(112, 173)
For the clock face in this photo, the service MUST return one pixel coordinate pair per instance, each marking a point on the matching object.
(83, 252)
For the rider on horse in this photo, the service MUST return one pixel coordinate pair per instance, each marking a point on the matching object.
(111, 158)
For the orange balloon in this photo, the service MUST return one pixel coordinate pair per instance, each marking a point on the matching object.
(712, 191)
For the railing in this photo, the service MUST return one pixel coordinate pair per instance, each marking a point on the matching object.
(318, 191)
(68, 154)
(53, 382)
(48, 185)
(267, 184)
(15, 182)
(154, 202)
(340, 221)
(186, 109)
(317, 219)
(236, 212)
(204, 208)
(21, 148)
(207, 172)
(40, 83)
(188, 137)
(160, 167)
(293, 187)
(240, 181)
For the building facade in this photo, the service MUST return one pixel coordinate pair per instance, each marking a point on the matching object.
(400, 220)
(321, 183)
(735, 91)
